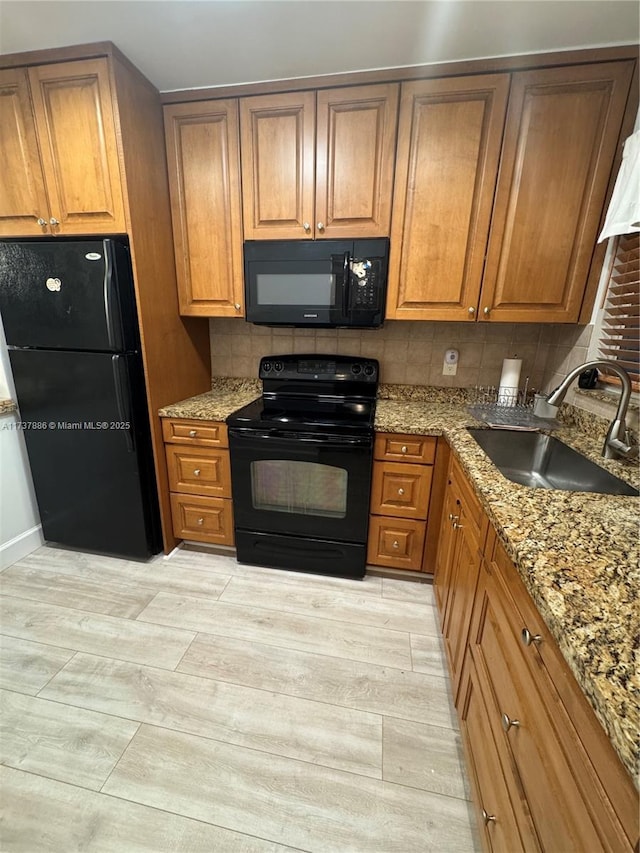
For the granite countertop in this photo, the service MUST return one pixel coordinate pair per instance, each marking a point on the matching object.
(577, 553)
(7, 406)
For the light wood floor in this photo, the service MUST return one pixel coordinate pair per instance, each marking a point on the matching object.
(194, 704)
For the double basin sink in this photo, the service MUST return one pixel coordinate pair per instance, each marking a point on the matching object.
(543, 462)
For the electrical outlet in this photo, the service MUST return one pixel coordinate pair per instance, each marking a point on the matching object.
(450, 366)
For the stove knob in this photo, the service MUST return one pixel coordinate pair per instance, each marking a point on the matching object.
(368, 370)
(278, 366)
(356, 369)
(266, 366)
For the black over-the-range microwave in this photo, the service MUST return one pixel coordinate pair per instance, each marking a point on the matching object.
(320, 283)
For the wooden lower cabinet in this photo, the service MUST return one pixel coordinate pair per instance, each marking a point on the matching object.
(462, 535)
(200, 480)
(400, 500)
(501, 812)
(544, 773)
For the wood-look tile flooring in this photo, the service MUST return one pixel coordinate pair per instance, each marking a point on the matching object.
(195, 704)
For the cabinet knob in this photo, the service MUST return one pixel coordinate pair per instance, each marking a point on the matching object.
(454, 520)
(488, 818)
(320, 226)
(404, 449)
(486, 311)
(196, 472)
(396, 544)
(508, 723)
(237, 306)
(193, 433)
(201, 521)
(401, 491)
(53, 221)
(306, 226)
(457, 526)
(528, 638)
(472, 311)
(41, 222)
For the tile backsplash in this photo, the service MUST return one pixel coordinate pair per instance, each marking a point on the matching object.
(411, 352)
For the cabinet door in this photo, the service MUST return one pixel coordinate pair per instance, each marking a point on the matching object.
(77, 136)
(449, 138)
(355, 156)
(560, 141)
(278, 165)
(23, 200)
(497, 798)
(447, 542)
(203, 154)
(463, 578)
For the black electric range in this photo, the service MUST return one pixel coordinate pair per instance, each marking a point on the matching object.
(301, 461)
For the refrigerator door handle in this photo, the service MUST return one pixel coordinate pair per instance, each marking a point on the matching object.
(111, 310)
(123, 392)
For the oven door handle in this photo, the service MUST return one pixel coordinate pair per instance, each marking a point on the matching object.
(333, 441)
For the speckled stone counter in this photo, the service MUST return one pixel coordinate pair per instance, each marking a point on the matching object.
(7, 406)
(226, 395)
(577, 553)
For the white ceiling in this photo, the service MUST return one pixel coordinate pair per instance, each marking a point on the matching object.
(188, 43)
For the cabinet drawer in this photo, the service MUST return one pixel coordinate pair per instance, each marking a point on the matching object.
(396, 543)
(497, 799)
(405, 448)
(202, 519)
(401, 490)
(206, 433)
(201, 471)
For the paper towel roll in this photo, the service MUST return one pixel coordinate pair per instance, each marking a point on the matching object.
(509, 382)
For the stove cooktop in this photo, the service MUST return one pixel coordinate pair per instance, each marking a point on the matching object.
(305, 415)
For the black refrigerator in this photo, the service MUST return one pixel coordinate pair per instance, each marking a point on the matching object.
(69, 315)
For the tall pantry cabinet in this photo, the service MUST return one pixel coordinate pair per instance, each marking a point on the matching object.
(82, 153)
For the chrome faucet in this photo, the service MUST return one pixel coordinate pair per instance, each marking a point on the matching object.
(616, 444)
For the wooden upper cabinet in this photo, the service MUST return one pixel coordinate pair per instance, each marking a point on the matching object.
(76, 130)
(355, 155)
(560, 142)
(318, 168)
(449, 138)
(278, 165)
(23, 199)
(203, 155)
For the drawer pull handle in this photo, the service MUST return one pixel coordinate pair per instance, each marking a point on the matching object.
(193, 433)
(508, 723)
(201, 521)
(196, 472)
(488, 818)
(396, 544)
(401, 491)
(528, 638)
(457, 526)
(404, 449)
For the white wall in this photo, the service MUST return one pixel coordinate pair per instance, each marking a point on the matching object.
(20, 530)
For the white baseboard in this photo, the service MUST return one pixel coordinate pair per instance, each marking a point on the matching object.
(18, 547)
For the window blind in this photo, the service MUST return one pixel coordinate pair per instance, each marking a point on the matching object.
(619, 336)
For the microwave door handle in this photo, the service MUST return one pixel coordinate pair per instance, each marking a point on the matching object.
(346, 281)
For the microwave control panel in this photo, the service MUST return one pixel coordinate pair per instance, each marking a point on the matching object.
(365, 289)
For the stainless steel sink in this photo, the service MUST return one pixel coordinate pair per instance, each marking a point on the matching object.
(543, 462)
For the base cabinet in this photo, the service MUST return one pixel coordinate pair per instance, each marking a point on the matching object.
(462, 534)
(400, 499)
(544, 773)
(200, 480)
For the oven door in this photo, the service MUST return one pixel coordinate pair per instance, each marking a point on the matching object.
(301, 484)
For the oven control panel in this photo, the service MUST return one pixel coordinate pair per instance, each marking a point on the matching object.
(333, 368)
